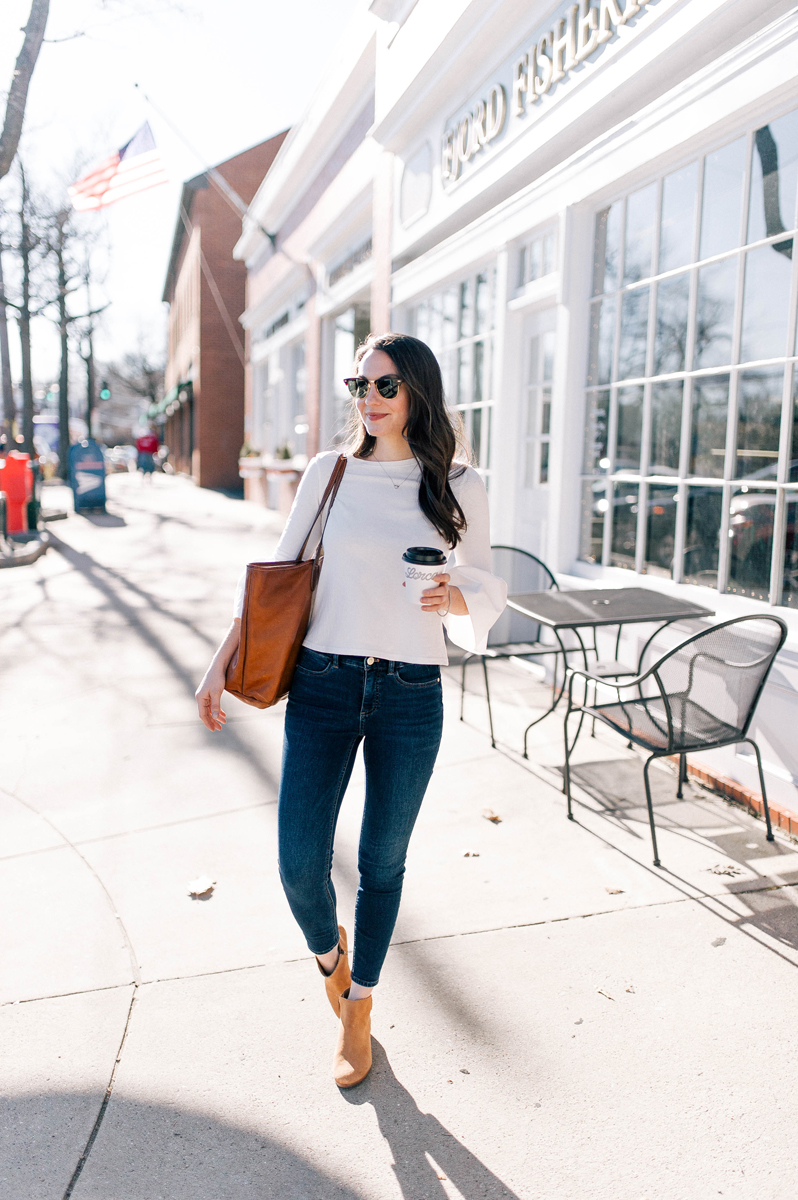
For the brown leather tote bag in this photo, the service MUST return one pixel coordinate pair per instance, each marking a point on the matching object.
(277, 603)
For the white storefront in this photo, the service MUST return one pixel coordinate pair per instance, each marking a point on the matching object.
(589, 214)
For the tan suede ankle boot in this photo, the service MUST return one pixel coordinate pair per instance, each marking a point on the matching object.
(339, 979)
(352, 1061)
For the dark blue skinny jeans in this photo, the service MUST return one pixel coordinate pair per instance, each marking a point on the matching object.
(335, 702)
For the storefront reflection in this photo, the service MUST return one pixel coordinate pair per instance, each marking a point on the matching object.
(660, 529)
(702, 535)
(751, 515)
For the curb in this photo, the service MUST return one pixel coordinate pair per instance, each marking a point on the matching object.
(781, 818)
(24, 557)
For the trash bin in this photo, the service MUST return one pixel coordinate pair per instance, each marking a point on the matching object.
(17, 483)
(87, 475)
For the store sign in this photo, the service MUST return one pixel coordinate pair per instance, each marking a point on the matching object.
(534, 71)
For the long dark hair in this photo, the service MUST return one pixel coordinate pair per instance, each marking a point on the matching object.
(431, 430)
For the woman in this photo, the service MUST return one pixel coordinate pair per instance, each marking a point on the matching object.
(369, 669)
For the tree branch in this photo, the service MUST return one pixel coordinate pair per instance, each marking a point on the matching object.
(20, 82)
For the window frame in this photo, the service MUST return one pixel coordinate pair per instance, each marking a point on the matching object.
(729, 483)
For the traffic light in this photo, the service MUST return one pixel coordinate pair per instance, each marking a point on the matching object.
(105, 391)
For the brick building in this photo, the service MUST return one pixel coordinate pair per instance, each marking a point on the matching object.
(202, 412)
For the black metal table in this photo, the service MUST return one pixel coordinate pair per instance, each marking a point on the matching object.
(593, 608)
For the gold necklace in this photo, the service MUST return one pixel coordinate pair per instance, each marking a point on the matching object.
(396, 486)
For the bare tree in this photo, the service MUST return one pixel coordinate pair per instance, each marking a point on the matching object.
(28, 252)
(6, 386)
(142, 370)
(20, 82)
(69, 248)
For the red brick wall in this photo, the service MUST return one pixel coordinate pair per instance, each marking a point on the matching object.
(219, 384)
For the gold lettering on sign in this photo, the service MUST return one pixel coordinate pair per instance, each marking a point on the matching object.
(563, 45)
(543, 82)
(574, 38)
(520, 84)
(473, 132)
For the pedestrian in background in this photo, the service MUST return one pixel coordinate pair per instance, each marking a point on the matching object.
(146, 449)
(369, 669)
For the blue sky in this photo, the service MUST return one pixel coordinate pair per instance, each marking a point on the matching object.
(228, 73)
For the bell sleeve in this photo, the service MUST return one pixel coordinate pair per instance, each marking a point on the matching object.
(485, 594)
(303, 510)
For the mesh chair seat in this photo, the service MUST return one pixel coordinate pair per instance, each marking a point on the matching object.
(645, 722)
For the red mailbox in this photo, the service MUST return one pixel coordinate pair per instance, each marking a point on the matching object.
(16, 480)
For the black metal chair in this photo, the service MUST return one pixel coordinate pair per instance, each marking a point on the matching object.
(514, 635)
(701, 695)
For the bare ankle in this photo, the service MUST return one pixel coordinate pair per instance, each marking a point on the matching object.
(358, 992)
(328, 962)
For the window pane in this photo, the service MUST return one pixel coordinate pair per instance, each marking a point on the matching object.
(548, 254)
(630, 425)
(521, 277)
(421, 326)
(678, 218)
(660, 529)
(790, 594)
(449, 315)
(535, 260)
(641, 208)
(476, 434)
(594, 510)
(596, 428)
(483, 320)
(751, 533)
(702, 535)
(671, 333)
(766, 303)
(774, 170)
(607, 249)
(545, 411)
(714, 325)
(634, 328)
(793, 472)
(548, 356)
(624, 525)
(758, 424)
(480, 390)
(602, 341)
(466, 314)
(708, 433)
(666, 427)
(544, 462)
(465, 358)
(435, 327)
(722, 203)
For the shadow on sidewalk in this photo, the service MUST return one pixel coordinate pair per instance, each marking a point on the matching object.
(148, 1150)
(415, 1137)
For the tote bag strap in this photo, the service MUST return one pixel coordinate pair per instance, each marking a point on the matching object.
(330, 492)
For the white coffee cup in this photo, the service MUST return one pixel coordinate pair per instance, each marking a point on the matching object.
(422, 564)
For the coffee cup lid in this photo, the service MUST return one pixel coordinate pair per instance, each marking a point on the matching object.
(425, 555)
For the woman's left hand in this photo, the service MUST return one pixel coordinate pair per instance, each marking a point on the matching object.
(444, 598)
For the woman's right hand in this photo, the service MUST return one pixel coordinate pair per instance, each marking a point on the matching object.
(209, 693)
(209, 699)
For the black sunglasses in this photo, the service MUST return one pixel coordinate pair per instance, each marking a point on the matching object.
(386, 385)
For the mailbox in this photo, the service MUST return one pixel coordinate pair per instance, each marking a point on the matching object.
(87, 475)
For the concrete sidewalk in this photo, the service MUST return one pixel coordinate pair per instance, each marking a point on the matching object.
(557, 1020)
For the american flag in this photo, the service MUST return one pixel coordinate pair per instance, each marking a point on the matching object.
(134, 168)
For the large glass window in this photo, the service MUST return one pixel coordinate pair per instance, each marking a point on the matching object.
(458, 324)
(538, 415)
(692, 370)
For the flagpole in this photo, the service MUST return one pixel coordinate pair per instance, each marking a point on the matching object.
(229, 193)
